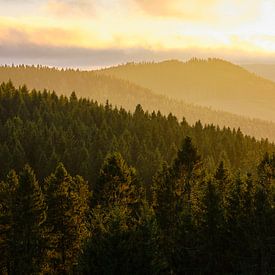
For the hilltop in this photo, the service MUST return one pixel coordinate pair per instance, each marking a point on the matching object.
(215, 83)
(101, 87)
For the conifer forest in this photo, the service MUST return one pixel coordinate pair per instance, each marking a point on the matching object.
(137, 137)
(95, 189)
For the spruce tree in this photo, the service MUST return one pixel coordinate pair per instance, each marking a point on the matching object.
(118, 244)
(29, 211)
(211, 229)
(67, 200)
(222, 178)
(174, 194)
(263, 226)
(117, 183)
(8, 189)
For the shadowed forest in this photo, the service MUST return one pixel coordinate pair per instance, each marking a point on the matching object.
(90, 188)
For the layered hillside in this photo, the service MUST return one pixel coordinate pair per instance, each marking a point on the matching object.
(41, 128)
(213, 82)
(264, 70)
(123, 93)
(116, 197)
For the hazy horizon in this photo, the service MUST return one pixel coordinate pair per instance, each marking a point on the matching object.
(90, 34)
(136, 61)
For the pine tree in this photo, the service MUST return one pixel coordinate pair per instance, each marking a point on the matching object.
(266, 170)
(263, 226)
(29, 211)
(264, 214)
(173, 206)
(118, 244)
(236, 226)
(165, 208)
(67, 200)
(187, 167)
(222, 178)
(211, 229)
(8, 189)
(117, 183)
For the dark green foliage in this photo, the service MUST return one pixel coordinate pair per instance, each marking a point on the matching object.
(116, 184)
(29, 228)
(42, 129)
(120, 225)
(8, 191)
(42, 231)
(205, 208)
(67, 200)
(175, 203)
(214, 225)
(24, 219)
(211, 229)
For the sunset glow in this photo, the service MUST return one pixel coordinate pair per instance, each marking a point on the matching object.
(236, 30)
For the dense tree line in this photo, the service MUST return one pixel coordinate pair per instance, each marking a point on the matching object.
(207, 82)
(195, 222)
(42, 226)
(43, 129)
(173, 78)
(190, 206)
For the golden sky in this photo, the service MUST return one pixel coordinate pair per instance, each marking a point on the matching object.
(65, 32)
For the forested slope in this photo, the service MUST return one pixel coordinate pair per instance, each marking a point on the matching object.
(100, 88)
(42, 129)
(213, 82)
(148, 199)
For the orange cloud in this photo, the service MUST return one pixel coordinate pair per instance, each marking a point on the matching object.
(207, 11)
(17, 34)
(194, 9)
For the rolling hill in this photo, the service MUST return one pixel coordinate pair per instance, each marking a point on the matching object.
(123, 93)
(213, 82)
(264, 70)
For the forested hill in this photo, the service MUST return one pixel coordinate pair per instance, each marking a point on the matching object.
(213, 82)
(100, 88)
(42, 129)
(106, 191)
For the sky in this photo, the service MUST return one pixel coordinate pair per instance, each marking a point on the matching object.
(98, 33)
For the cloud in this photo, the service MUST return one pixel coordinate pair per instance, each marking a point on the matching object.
(207, 11)
(78, 57)
(12, 35)
(195, 9)
(76, 8)
(16, 35)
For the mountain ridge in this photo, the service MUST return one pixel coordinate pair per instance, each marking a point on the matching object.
(213, 83)
(123, 93)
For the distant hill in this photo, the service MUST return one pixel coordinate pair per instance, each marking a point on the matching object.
(213, 82)
(123, 93)
(264, 70)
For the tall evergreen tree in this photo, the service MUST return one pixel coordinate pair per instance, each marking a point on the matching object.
(222, 178)
(211, 229)
(120, 233)
(29, 211)
(174, 212)
(117, 183)
(8, 189)
(67, 200)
